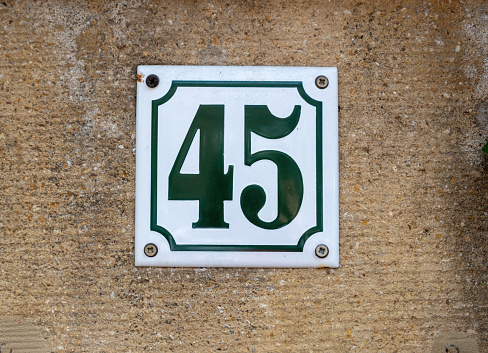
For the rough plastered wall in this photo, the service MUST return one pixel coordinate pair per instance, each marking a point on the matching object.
(413, 83)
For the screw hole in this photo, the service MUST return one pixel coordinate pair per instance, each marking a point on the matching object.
(322, 251)
(150, 250)
(321, 82)
(152, 81)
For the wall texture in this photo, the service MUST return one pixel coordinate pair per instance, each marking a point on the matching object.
(413, 83)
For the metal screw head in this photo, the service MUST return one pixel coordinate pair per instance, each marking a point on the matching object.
(152, 81)
(321, 82)
(452, 349)
(150, 250)
(321, 251)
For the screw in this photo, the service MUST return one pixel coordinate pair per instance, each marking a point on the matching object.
(152, 81)
(452, 349)
(321, 82)
(150, 250)
(321, 251)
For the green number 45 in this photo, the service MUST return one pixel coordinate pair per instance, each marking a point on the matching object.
(213, 185)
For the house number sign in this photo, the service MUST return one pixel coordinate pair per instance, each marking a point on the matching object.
(237, 167)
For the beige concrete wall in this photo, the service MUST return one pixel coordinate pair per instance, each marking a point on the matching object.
(413, 83)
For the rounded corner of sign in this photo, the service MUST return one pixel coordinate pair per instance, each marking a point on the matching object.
(335, 263)
(139, 261)
(141, 69)
(332, 72)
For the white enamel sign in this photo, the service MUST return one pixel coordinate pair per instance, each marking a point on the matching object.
(237, 167)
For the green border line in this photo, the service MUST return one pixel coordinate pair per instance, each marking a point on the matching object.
(154, 159)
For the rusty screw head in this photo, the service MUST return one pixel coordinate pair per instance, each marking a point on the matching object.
(152, 81)
(452, 349)
(321, 82)
(150, 250)
(321, 251)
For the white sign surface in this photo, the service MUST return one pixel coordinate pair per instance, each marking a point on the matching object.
(237, 167)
